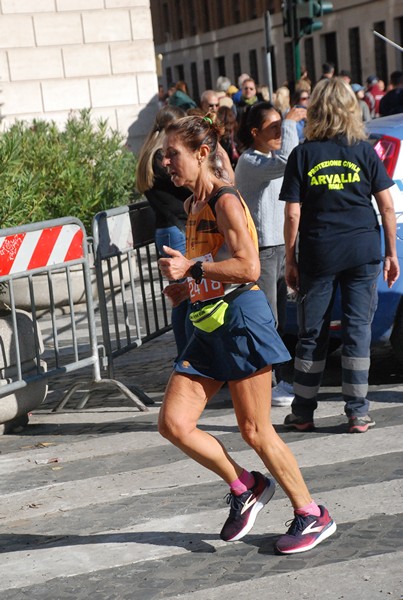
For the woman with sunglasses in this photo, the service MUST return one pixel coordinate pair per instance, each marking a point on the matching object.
(300, 99)
(269, 140)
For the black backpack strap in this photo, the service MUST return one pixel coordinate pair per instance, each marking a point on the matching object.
(224, 190)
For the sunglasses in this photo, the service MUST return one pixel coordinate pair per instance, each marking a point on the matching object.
(213, 105)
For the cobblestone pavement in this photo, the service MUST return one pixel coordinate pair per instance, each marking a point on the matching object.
(94, 503)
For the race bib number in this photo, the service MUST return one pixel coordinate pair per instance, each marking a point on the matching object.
(207, 289)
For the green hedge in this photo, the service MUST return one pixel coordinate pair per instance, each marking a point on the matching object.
(47, 173)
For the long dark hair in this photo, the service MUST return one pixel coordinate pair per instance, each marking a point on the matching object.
(227, 117)
(253, 118)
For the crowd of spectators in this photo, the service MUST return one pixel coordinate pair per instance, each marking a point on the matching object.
(247, 114)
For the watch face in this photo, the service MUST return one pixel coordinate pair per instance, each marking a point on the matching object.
(197, 271)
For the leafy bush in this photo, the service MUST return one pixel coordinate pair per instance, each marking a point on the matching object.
(46, 173)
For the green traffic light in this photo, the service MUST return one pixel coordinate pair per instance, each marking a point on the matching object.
(327, 7)
(311, 27)
(307, 11)
(315, 9)
(299, 19)
(318, 8)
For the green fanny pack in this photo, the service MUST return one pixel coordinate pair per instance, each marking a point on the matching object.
(211, 316)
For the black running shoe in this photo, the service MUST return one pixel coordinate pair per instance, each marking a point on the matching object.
(245, 508)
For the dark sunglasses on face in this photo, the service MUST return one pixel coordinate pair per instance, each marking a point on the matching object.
(213, 105)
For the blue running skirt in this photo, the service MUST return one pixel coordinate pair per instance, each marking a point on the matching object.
(246, 343)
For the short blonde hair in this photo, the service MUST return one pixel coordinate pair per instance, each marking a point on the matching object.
(334, 111)
(282, 99)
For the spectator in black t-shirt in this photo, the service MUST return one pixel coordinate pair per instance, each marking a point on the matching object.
(328, 186)
(392, 101)
(249, 97)
(327, 71)
(167, 201)
(346, 75)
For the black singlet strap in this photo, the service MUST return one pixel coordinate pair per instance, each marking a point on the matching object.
(244, 287)
(224, 190)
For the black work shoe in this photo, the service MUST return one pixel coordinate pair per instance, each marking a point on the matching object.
(360, 424)
(298, 423)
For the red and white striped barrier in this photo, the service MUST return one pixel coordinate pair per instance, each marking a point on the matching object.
(35, 265)
(30, 250)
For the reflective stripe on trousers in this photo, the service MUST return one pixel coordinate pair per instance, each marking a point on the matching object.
(358, 287)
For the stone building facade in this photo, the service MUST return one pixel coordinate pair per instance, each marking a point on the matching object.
(62, 55)
(198, 40)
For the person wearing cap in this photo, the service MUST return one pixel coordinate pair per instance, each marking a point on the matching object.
(359, 92)
(232, 90)
(373, 95)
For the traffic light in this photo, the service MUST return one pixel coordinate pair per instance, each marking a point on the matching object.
(307, 12)
(289, 18)
(299, 19)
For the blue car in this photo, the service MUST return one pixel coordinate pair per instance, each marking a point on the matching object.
(386, 135)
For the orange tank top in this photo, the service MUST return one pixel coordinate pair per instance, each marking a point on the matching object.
(205, 242)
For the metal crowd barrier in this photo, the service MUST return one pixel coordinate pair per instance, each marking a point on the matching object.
(132, 306)
(41, 260)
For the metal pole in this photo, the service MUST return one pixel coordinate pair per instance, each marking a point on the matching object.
(267, 27)
(385, 39)
(297, 59)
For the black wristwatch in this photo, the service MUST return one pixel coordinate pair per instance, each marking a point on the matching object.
(197, 272)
